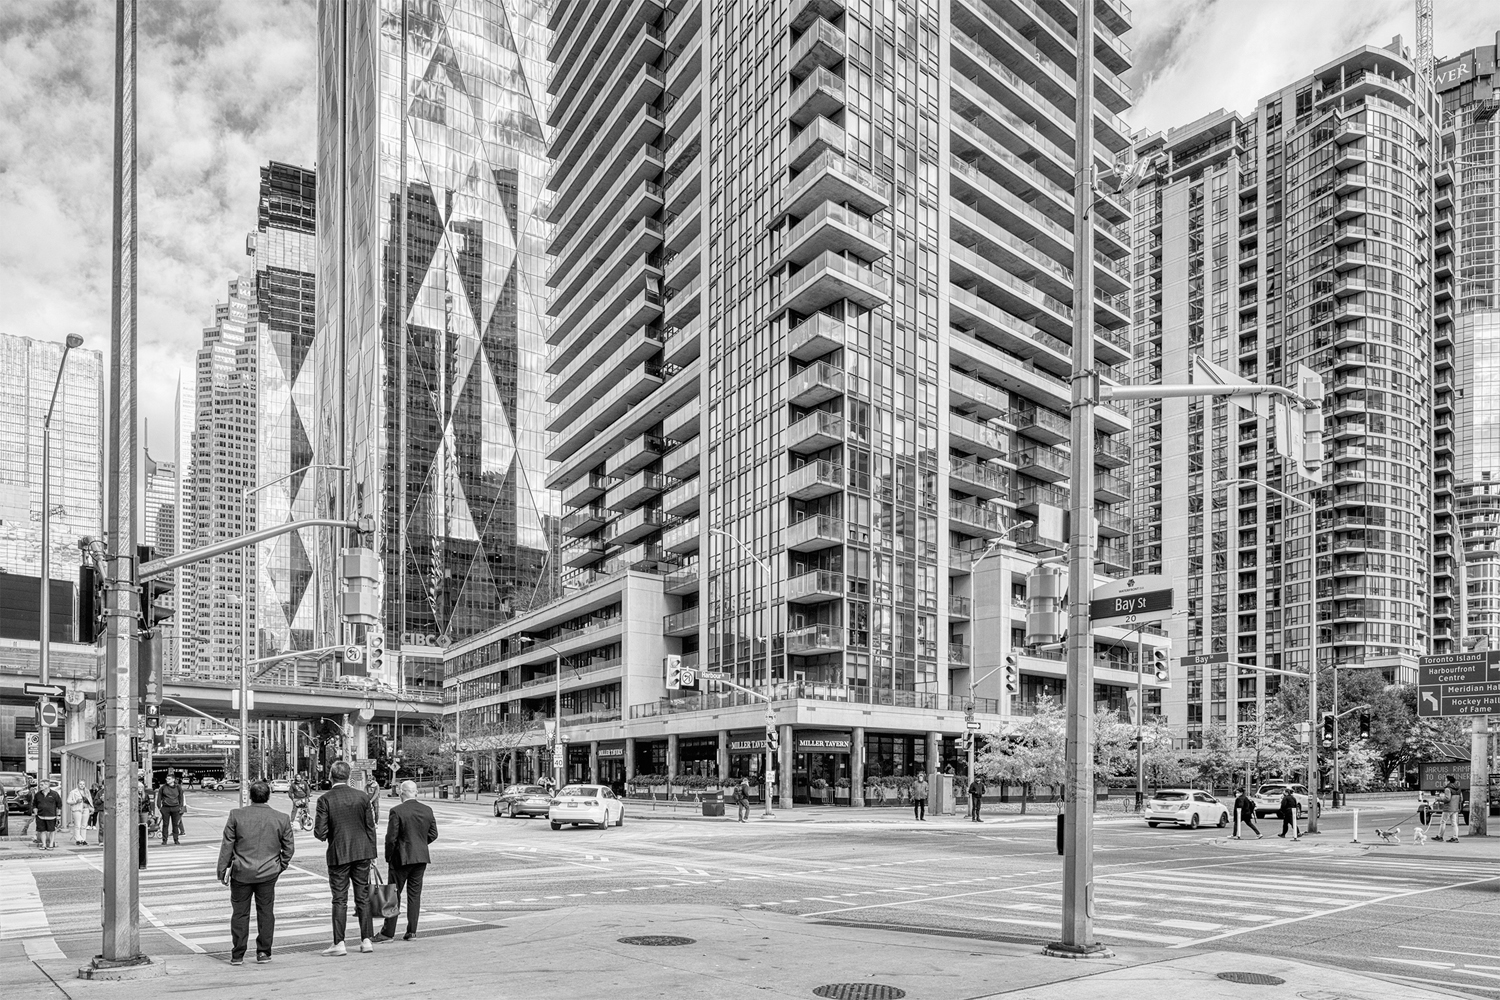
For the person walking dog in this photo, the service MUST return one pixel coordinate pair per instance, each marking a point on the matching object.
(1451, 798)
(258, 846)
(346, 823)
(410, 828)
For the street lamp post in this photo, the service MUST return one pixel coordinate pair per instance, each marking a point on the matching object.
(770, 632)
(245, 495)
(44, 735)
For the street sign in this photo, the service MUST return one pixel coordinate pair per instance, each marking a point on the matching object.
(714, 675)
(1458, 684)
(1132, 608)
(1204, 659)
(49, 713)
(354, 654)
(46, 690)
(974, 727)
(33, 750)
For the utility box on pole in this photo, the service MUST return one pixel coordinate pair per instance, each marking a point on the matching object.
(361, 598)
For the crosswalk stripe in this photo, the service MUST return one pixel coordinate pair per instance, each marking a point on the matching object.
(21, 912)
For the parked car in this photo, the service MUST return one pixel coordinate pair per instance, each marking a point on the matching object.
(1268, 798)
(1185, 807)
(578, 804)
(12, 784)
(523, 800)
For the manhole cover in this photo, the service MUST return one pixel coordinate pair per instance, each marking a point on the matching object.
(657, 940)
(859, 991)
(1251, 978)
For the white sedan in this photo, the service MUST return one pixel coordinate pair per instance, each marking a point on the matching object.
(594, 804)
(280, 784)
(1185, 807)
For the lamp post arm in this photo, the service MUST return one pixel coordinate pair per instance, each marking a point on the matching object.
(160, 567)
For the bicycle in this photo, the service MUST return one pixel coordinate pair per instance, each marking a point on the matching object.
(301, 817)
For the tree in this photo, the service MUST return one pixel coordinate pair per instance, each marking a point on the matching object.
(1034, 752)
(1268, 746)
(1161, 761)
(1213, 763)
(277, 759)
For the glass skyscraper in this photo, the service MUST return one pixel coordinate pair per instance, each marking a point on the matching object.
(431, 277)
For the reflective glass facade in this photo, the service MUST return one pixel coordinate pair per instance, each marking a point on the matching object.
(431, 305)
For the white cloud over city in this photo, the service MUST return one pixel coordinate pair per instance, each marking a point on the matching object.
(225, 87)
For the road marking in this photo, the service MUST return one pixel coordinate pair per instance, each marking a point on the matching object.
(21, 912)
(1444, 951)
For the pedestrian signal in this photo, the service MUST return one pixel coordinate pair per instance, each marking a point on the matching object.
(773, 742)
(1364, 725)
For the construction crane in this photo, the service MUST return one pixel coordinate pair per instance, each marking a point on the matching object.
(1424, 39)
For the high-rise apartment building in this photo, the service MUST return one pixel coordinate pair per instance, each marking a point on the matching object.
(284, 249)
(225, 432)
(431, 308)
(1466, 354)
(812, 310)
(1299, 234)
(28, 371)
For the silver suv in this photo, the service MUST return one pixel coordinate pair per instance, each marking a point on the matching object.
(12, 784)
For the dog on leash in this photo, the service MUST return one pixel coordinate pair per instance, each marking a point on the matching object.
(1393, 835)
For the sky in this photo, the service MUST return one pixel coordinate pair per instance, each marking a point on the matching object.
(226, 87)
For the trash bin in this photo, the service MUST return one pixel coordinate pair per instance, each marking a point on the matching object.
(442, 791)
(713, 803)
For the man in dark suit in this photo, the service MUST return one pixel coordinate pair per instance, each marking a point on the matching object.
(257, 847)
(347, 823)
(410, 829)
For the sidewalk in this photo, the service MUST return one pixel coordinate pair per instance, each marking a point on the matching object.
(731, 955)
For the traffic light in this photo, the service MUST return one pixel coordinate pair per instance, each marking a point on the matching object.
(91, 620)
(773, 741)
(1012, 673)
(1160, 663)
(150, 677)
(153, 610)
(374, 653)
(1328, 723)
(674, 670)
(966, 743)
(1364, 725)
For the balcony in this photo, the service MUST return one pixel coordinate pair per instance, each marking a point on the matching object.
(1110, 453)
(685, 344)
(684, 460)
(831, 178)
(1111, 489)
(1043, 425)
(815, 432)
(815, 384)
(637, 489)
(682, 581)
(1033, 498)
(814, 640)
(960, 655)
(805, 12)
(976, 398)
(584, 521)
(822, 45)
(819, 137)
(683, 499)
(682, 537)
(820, 95)
(978, 480)
(828, 278)
(636, 525)
(815, 533)
(636, 455)
(813, 480)
(814, 337)
(1112, 558)
(585, 489)
(1044, 463)
(814, 587)
(976, 438)
(1112, 524)
(833, 228)
(681, 623)
(582, 552)
(960, 607)
(974, 520)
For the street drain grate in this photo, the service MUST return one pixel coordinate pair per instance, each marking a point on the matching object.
(859, 991)
(657, 940)
(1251, 978)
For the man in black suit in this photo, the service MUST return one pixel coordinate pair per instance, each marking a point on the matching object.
(346, 821)
(257, 847)
(408, 832)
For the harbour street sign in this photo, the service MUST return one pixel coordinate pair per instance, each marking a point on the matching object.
(1458, 684)
(1132, 601)
(45, 690)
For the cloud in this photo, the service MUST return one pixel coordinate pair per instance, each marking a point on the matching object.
(222, 89)
(1196, 56)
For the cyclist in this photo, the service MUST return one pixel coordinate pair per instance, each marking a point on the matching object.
(299, 793)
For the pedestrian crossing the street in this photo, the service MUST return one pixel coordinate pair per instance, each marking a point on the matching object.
(181, 897)
(1163, 907)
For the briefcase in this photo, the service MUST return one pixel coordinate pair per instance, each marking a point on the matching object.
(384, 901)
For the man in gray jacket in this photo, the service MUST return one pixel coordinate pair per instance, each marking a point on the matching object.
(258, 846)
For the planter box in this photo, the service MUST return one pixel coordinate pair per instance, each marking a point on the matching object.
(841, 794)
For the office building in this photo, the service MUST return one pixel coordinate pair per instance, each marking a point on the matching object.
(1299, 234)
(812, 306)
(284, 250)
(178, 635)
(28, 372)
(431, 310)
(226, 428)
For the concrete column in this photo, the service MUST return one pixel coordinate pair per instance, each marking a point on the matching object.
(671, 758)
(361, 742)
(594, 761)
(510, 768)
(934, 749)
(629, 757)
(857, 767)
(723, 757)
(786, 767)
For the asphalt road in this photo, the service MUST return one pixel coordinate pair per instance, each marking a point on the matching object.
(1426, 917)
